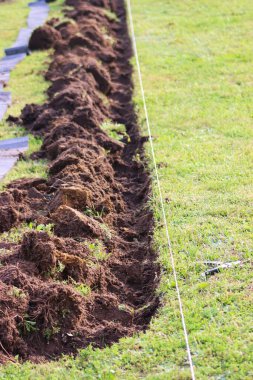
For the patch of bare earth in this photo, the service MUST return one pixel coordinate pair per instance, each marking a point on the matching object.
(95, 196)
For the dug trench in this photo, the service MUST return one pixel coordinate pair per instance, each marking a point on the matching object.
(86, 272)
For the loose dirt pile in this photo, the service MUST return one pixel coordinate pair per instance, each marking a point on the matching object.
(93, 278)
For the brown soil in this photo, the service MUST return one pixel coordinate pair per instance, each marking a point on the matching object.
(95, 196)
(44, 38)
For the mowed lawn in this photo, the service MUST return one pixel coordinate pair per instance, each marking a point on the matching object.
(196, 60)
(13, 15)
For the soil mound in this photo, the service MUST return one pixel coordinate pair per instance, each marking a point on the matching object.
(43, 38)
(82, 269)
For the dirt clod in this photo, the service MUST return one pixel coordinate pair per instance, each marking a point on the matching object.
(44, 37)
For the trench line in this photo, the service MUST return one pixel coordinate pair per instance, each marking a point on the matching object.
(160, 191)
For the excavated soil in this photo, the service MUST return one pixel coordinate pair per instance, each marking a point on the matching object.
(92, 280)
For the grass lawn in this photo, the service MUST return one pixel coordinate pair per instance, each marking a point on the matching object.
(13, 15)
(196, 60)
(27, 85)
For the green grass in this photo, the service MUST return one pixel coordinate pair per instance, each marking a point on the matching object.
(196, 60)
(15, 234)
(27, 85)
(13, 15)
(114, 130)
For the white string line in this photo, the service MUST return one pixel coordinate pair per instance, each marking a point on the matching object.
(160, 191)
